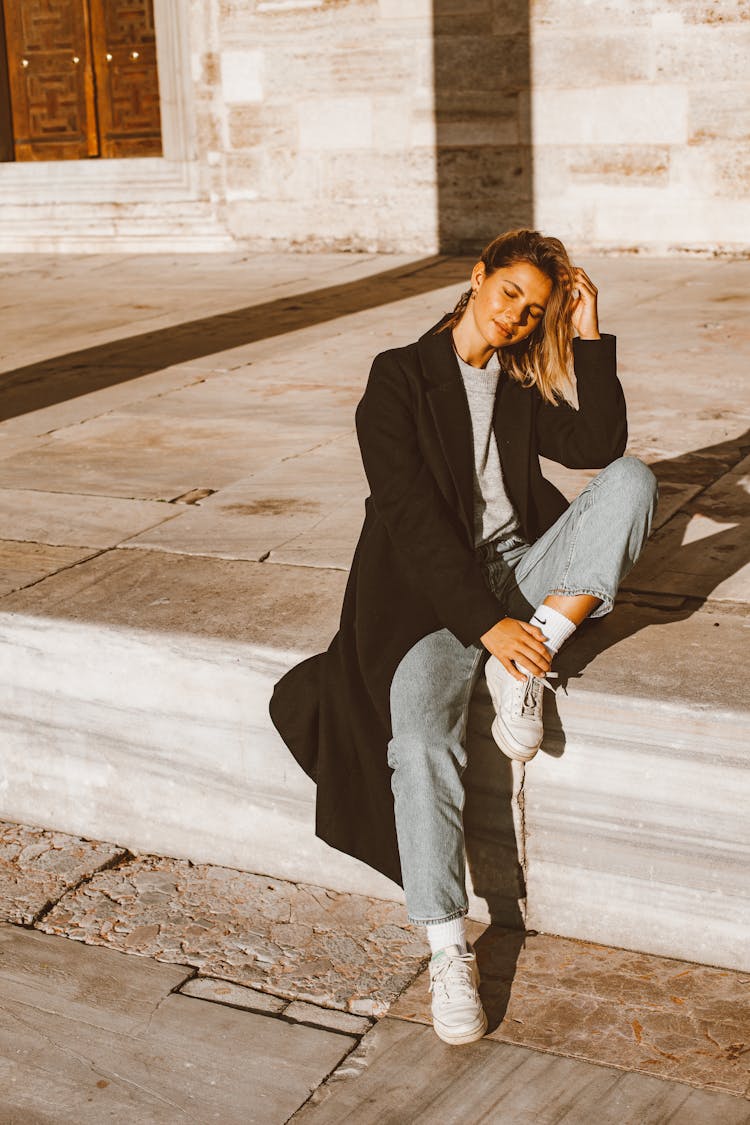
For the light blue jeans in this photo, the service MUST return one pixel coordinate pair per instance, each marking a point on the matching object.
(589, 550)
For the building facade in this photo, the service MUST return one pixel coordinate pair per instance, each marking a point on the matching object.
(382, 125)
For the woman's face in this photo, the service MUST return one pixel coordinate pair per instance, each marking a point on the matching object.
(509, 303)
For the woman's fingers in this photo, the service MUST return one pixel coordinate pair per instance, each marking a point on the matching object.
(511, 668)
(533, 629)
(583, 279)
(536, 664)
(516, 642)
(535, 638)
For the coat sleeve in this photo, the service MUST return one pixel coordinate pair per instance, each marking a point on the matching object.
(597, 433)
(419, 520)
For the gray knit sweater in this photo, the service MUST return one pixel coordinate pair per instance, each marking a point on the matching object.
(494, 514)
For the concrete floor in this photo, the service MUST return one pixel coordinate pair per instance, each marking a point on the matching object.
(142, 989)
(180, 476)
(181, 493)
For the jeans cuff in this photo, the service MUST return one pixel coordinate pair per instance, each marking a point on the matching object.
(435, 921)
(606, 599)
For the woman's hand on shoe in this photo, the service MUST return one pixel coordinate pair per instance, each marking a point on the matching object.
(511, 640)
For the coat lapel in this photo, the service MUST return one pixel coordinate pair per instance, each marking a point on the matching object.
(450, 411)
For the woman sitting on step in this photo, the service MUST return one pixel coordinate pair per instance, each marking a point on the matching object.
(468, 558)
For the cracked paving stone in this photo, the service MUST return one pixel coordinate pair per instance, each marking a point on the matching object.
(669, 1018)
(341, 951)
(38, 865)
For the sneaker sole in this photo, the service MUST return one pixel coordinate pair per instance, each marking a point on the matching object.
(502, 736)
(509, 747)
(456, 1039)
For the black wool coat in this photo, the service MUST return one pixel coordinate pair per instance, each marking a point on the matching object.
(414, 569)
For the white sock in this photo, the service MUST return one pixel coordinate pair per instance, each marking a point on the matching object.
(555, 626)
(442, 934)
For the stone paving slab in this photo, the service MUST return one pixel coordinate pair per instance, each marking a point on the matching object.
(204, 597)
(300, 942)
(38, 866)
(67, 520)
(656, 1015)
(146, 459)
(199, 340)
(330, 544)
(324, 1017)
(236, 995)
(294, 501)
(23, 431)
(253, 393)
(253, 1000)
(89, 1035)
(108, 296)
(397, 1075)
(23, 564)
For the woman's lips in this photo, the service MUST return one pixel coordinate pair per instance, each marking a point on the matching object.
(507, 332)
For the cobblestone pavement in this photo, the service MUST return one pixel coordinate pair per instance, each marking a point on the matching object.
(296, 941)
(37, 867)
(333, 960)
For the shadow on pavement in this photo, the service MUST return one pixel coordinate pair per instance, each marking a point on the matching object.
(491, 843)
(492, 851)
(63, 377)
(696, 568)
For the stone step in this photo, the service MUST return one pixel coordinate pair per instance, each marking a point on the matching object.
(630, 828)
(168, 225)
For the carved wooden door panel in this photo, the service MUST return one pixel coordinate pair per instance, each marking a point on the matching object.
(82, 78)
(51, 79)
(124, 47)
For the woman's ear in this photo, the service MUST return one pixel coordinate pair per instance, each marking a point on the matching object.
(477, 275)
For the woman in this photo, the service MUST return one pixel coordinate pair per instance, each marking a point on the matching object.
(467, 558)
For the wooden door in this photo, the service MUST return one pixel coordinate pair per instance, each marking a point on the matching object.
(82, 79)
(51, 79)
(124, 48)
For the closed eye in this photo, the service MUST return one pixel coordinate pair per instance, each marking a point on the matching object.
(536, 311)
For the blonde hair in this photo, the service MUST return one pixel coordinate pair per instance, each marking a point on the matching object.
(545, 358)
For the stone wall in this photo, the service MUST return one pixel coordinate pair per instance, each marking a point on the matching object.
(317, 118)
(641, 120)
(413, 125)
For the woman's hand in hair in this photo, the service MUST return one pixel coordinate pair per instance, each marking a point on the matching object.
(584, 313)
(511, 640)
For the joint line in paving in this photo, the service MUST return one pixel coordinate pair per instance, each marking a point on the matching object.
(123, 856)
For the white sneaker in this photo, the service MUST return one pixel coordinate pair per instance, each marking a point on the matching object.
(457, 1012)
(517, 728)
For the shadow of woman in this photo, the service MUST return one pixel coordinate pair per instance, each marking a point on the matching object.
(693, 551)
(492, 852)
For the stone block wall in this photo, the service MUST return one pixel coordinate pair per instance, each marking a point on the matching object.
(316, 119)
(408, 124)
(417, 125)
(641, 122)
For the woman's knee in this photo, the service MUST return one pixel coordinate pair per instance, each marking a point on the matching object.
(424, 758)
(632, 481)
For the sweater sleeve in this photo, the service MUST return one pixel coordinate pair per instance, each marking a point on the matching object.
(597, 433)
(420, 522)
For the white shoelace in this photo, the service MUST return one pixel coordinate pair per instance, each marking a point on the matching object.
(530, 694)
(454, 976)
